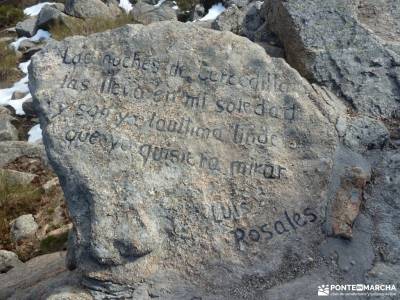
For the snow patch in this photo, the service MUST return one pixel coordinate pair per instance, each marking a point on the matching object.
(20, 86)
(213, 12)
(34, 10)
(40, 35)
(35, 134)
(125, 5)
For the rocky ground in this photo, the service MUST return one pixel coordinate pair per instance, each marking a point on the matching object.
(345, 58)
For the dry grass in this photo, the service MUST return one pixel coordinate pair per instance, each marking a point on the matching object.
(88, 26)
(10, 15)
(15, 200)
(8, 65)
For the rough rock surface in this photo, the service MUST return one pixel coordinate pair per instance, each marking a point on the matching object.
(193, 164)
(49, 16)
(382, 17)
(26, 27)
(40, 278)
(326, 43)
(8, 260)
(8, 132)
(92, 8)
(11, 150)
(231, 19)
(146, 13)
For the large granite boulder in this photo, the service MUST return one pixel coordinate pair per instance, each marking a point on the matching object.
(194, 165)
(340, 44)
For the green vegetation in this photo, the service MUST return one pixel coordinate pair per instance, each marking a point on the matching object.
(53, 243)
(15, 200)
(73, 26)
(10, 15)
(8, 62)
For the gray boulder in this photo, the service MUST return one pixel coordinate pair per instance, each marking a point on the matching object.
(26, 27)
(10, 150)
(145, 13)
(189, 159)
(43, 277)
(17, 95)
(92, 8)
(8, 132)
(23, 227)
(8, 260)
(49, 16)
(242, 21)
(326, 43)
(231, 19)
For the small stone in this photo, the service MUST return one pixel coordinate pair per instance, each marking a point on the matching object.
(18, 95)
(145, 13)
(23, 227)
(8, 132)
(230, 20)
(347, 202)
(50, 185)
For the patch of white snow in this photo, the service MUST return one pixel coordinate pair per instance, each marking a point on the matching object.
(125, 5)
(34, 10)
(35, 134)
(20, 86)
(40, 35)
(213, 12)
